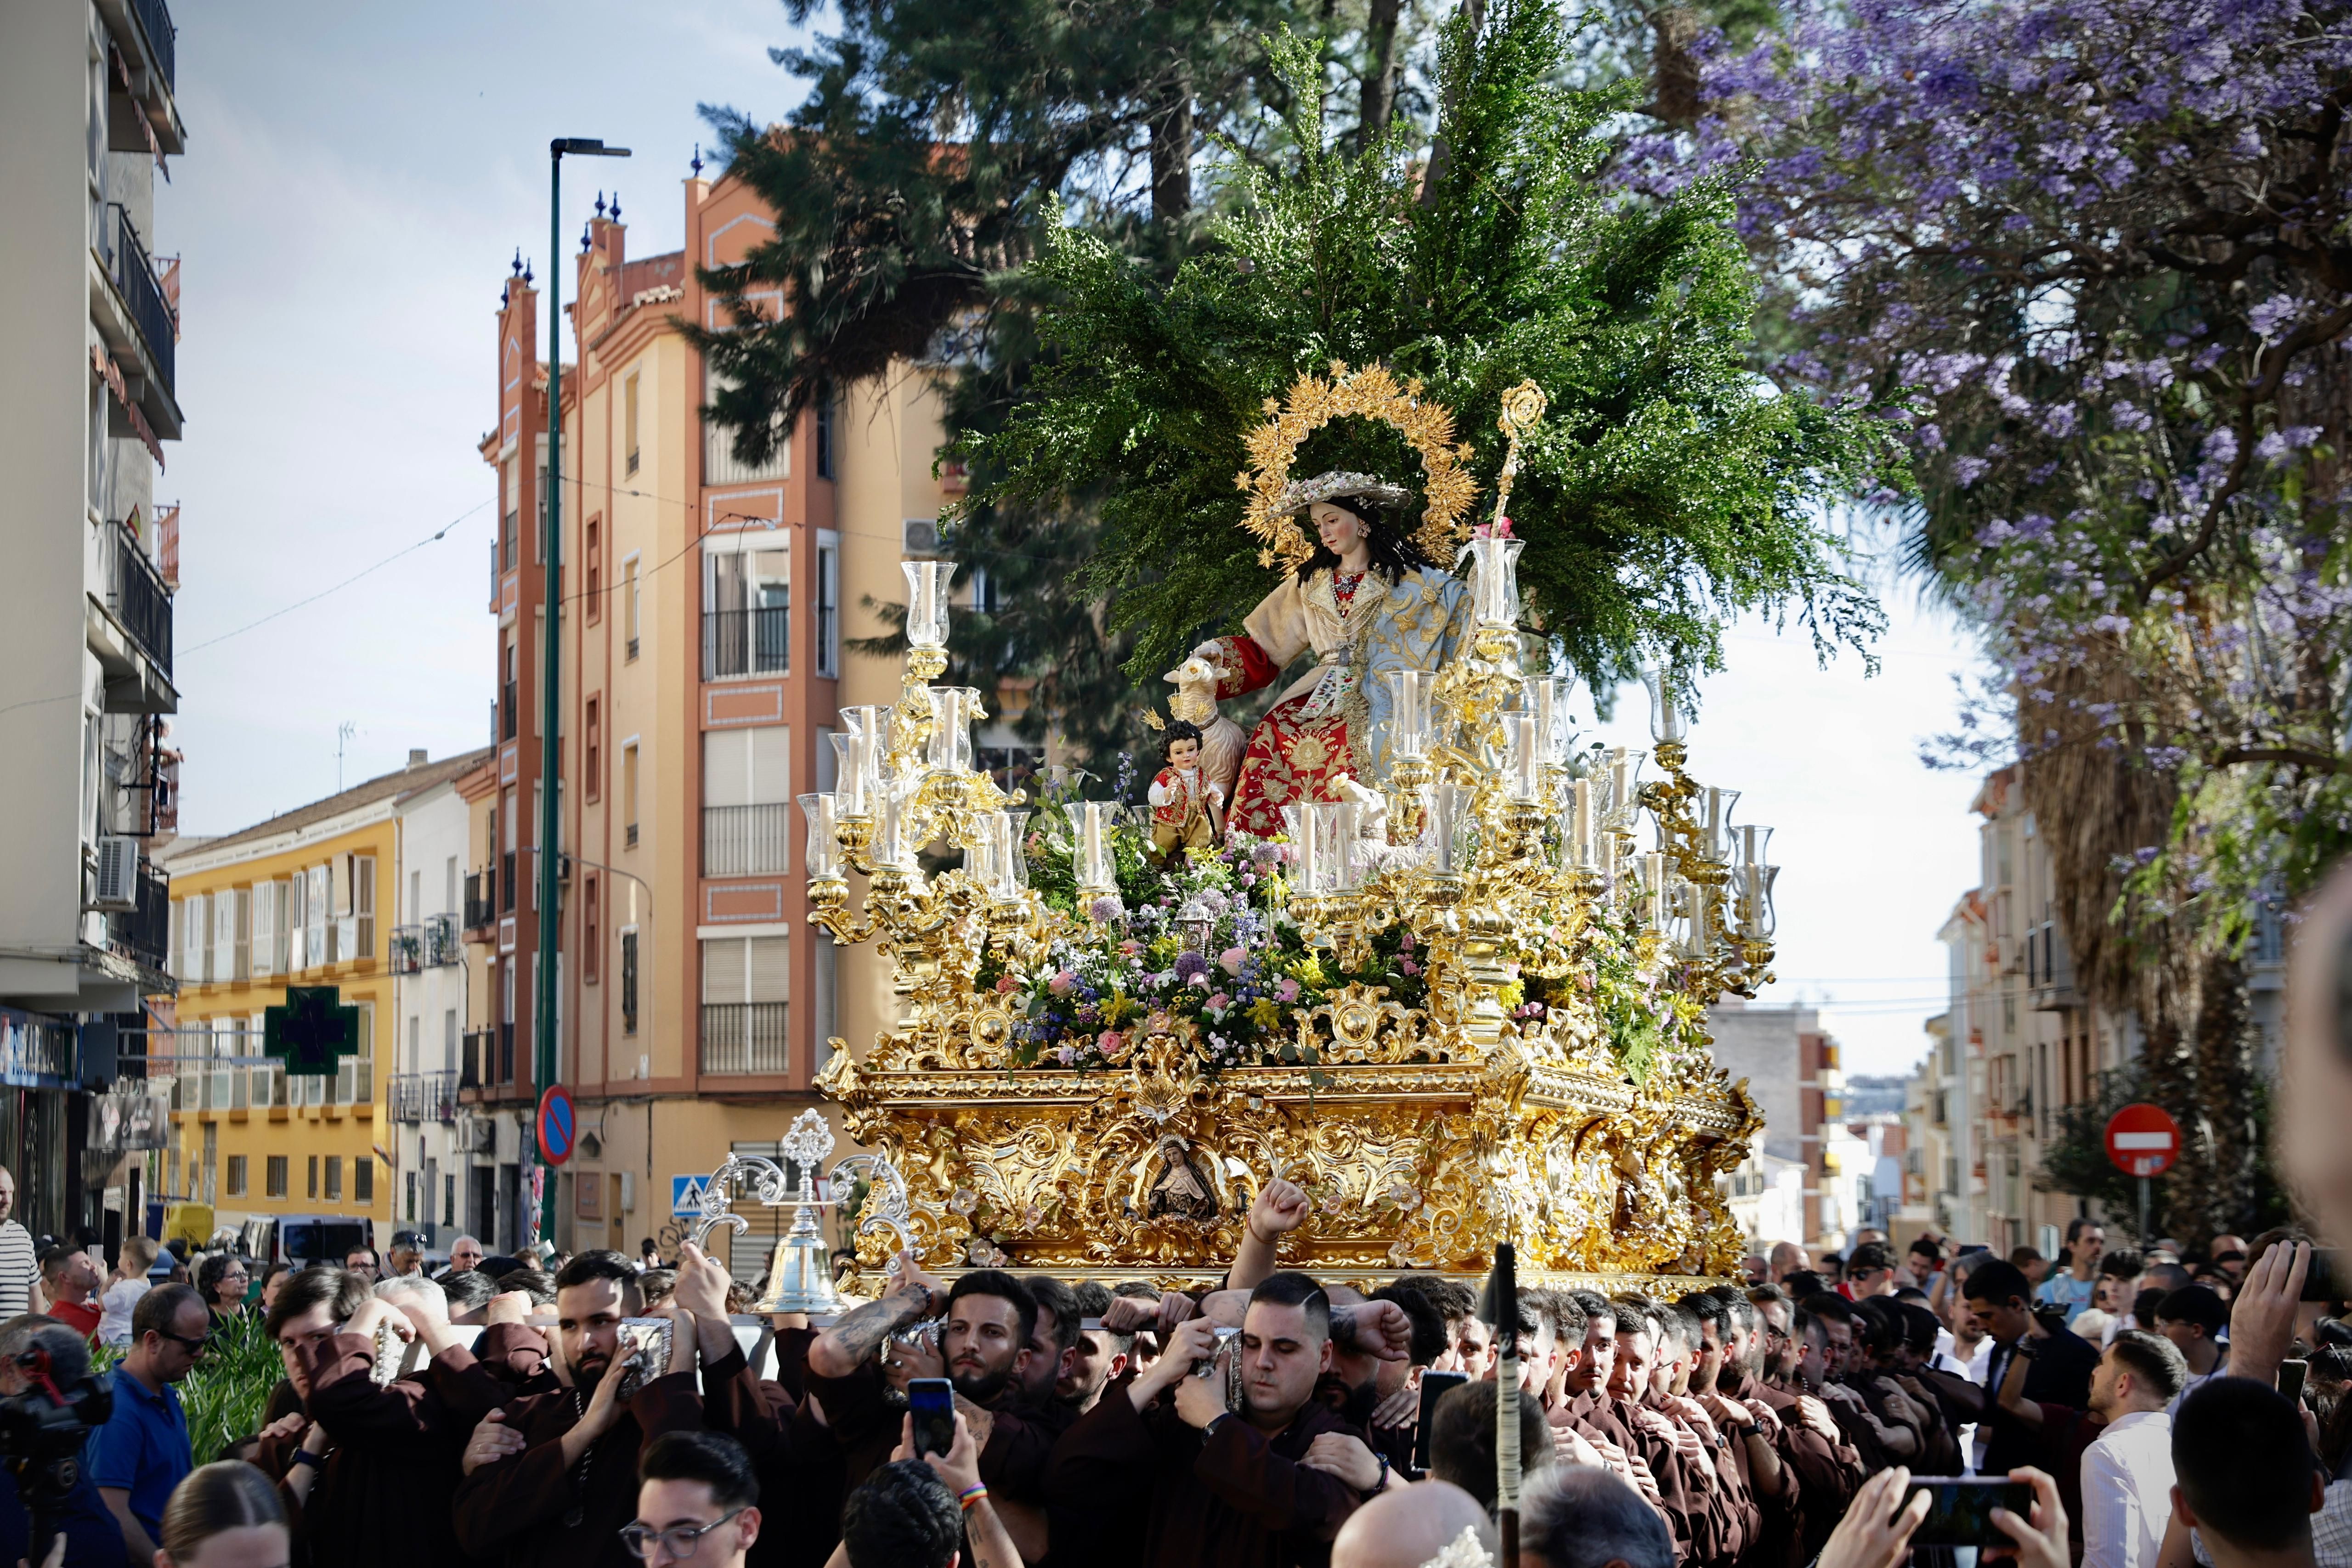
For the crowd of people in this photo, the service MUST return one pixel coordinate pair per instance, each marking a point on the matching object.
(1779, 1422)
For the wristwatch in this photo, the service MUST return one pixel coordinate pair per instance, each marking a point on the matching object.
(305, 1457)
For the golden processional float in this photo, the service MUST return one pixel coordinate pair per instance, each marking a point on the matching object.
(1464, 1009)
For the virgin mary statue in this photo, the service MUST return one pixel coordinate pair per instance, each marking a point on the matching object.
(1365, 601)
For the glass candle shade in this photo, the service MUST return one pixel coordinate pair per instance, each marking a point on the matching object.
(860, 748)
(1653, 893)
(953, 709)
(1548, 704)
(890, 832)
(1016, 861)
(1755, 844)
(979, 856)
(928, 586)
(823, 836)
(1410, 693)
(1091, 823)
(1337, 826)
(1669, 721)
(1715, 835)
(1698, 929)
(1449, 822)
(1582, 853)
(849, 783)
(1755, 915)
(1494, 581)
(1523, 735)
(1624, 791)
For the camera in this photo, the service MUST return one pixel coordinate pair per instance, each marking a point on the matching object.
(43, 1431)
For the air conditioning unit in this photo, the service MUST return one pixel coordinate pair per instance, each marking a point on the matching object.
(116, 885)
(922, 536)
(477, 1135)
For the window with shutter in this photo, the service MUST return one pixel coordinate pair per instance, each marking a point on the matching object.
(241, 967)
(224, 957)
(265, 929)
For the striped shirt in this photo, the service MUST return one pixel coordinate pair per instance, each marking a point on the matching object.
(18, 1268)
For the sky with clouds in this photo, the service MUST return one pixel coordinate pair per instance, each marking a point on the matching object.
(357, 181)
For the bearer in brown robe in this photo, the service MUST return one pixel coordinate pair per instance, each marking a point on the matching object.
(1235, 1488)
(564, 1498)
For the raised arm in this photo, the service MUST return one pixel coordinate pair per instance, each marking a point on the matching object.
(1278, 1210)
(839, 1350)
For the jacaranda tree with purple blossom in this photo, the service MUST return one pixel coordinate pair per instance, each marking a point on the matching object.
(2093, 256)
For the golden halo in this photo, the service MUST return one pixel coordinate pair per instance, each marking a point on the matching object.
(1371, 394)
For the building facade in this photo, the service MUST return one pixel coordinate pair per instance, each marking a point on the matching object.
(91, 321)
(428, 958)
(710, 613)
(1790, 1063)
(310, 897)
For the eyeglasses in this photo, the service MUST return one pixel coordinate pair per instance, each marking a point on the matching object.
(196, 1346)
(678, 1540)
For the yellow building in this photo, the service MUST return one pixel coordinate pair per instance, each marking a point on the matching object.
(290, 901)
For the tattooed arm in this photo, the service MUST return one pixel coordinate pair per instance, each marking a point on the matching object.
(839, 1350)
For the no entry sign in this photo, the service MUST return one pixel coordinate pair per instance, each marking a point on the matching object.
(2143, 1140)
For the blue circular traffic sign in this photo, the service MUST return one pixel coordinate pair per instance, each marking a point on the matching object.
(555, 1125)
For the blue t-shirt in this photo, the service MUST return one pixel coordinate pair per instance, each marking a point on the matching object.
(142, 1450)
(2063, 1289)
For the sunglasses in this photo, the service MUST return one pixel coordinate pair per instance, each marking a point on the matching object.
(196, 1346)
(678, 1539)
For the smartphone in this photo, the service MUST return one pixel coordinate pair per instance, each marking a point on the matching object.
(2324, 1283)
(2291, 1377)
(931, 1402)
(1433, 1388)
(1960, 1511)
(643, 1354)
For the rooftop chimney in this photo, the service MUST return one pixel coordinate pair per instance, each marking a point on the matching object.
(416, 756)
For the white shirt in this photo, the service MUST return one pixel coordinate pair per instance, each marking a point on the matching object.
(2127, 1491)
(18, 1269)
(114, 1320)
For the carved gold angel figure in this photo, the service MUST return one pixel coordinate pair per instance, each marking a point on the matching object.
(1365, 600)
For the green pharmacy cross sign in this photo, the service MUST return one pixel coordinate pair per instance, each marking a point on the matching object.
(311, 1032)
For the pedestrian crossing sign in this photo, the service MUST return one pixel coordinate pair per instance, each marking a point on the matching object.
(685, 1194)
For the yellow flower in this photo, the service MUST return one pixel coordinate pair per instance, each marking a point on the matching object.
(1511, 993)
(1118, 1006)
(1262, 1012)
(1309, 970)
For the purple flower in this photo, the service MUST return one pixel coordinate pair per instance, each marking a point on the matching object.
(1191, 966)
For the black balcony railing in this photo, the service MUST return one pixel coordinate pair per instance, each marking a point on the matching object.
(505, 1053)
(738, 840)
(424, 1097)
(407, 949)
(746, 1036)
(443, 945)
(746, 642)
(155, 21)
(506, 714)
(135, 275)
(144, 932)
(140, 602)
(481, 898)
(507, 881)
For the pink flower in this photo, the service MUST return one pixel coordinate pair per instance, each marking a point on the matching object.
(1199, 980)
(1404, 943)
(1219, 1002)
(1130, 947)
(1111, 1043)
(1288, 990)
(1061, 983)
(1230, 959)
(1005, 983)
(1065, 1056)
(1407, 966)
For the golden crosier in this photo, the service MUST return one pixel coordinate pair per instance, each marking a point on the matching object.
(1423, 1135)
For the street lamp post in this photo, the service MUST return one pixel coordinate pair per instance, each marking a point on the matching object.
(546, 1063)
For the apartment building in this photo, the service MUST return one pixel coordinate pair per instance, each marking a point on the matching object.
(711, 610)
(1790, 1063)
(430, 983)
(90, 320)
(314, 896)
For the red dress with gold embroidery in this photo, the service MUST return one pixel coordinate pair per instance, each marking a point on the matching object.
(1327, 726)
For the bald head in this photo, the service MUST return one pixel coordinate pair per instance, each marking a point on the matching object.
(2316, 1064)
(1406, 1527)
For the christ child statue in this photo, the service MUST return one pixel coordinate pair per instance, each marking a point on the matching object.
(1188, 809)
